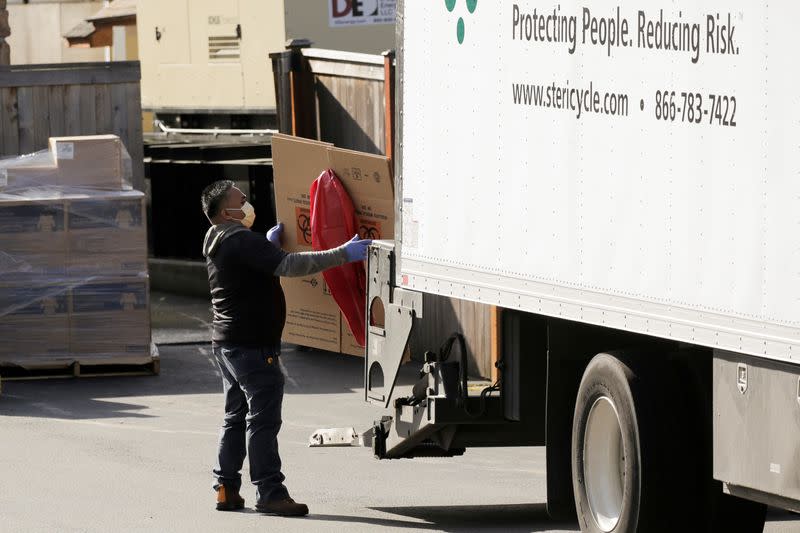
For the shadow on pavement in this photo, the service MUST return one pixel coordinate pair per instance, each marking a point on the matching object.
(185, 370)
(529, 517)
(33, 405)
(316, 372)
(179, 319)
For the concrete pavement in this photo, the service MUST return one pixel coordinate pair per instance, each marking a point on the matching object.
(135, 454)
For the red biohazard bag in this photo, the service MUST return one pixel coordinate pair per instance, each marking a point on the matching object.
(333, 223)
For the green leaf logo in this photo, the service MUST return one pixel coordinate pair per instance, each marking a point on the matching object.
(472, 5)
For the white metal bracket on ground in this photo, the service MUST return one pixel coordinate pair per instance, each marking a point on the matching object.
(338, 437)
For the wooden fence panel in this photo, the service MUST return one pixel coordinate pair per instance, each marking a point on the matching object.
(41, 116)
(103, 113)
(340, 94)
(133, 99)
(57, 107)
(72, 110)
(350, 113)
(10, 121)
(444, 316)
(42, 101)
(25, 113)
(88, 110)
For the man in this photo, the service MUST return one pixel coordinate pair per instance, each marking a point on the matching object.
(249, 315)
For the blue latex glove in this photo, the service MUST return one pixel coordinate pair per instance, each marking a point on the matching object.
(356, 249)
(274, 235)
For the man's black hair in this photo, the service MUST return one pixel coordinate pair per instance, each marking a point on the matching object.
(214, 196)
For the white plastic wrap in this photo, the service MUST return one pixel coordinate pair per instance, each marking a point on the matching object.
(73, 257)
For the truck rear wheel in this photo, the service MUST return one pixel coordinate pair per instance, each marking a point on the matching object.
(614, 474)
(641, 452)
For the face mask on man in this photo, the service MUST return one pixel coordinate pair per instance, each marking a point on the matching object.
(249, 214)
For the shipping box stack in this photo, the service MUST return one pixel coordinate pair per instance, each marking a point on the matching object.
(312, 317)
(73, 258)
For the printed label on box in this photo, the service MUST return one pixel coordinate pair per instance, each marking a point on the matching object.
(315, 282)
(94, 214)
(31, 218)
(65, 150)
(33, 301)
(93, 298)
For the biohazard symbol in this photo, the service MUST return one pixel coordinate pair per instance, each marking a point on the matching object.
(369, 232)
(461, 25)
(303, 217)
(369, 229)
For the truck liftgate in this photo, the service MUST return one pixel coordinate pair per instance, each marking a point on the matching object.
(440, 414)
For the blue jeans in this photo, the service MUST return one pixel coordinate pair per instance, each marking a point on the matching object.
(253, 386)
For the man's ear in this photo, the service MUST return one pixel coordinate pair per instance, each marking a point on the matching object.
(224, 214)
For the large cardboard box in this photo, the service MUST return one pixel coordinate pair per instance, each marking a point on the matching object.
(296, 164)
(33, 243)
(95, 161)
(39, 171)
(110, 321)
(89, 162)
(348, 342)
(34, 323)
(313, 318)
(107, 235)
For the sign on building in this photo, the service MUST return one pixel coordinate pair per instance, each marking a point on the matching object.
(361, 12)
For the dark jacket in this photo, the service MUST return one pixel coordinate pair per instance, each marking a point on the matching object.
(246, 296)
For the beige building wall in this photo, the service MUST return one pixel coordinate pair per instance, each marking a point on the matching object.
(131, 43)
(309, 19)
(125, 43)
(37, 29)
(181, 68)
(259, 84)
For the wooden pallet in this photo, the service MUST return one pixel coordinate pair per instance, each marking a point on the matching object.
(95, 369)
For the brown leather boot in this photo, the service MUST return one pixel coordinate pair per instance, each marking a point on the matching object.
(228, 499)
(286, 507)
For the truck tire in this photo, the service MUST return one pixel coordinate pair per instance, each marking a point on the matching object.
(641, 452)
(616, 475)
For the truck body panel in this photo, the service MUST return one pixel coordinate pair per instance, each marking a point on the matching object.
(543, 178)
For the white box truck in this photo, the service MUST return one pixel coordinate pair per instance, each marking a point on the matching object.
(623, 179)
